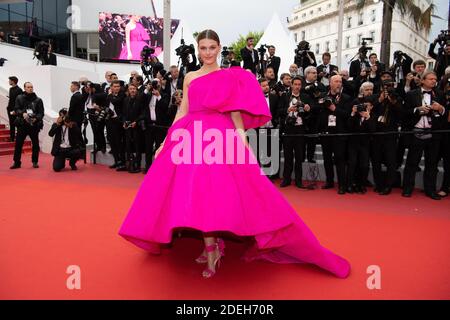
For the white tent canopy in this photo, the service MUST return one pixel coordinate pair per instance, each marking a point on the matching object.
(276, 35)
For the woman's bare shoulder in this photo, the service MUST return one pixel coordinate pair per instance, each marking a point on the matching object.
(190, 76)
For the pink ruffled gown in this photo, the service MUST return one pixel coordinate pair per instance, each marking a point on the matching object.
(139, 38)
(221, 197)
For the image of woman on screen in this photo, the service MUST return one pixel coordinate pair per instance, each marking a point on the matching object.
(136, 37)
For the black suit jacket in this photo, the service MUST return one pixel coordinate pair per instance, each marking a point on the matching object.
(133, 108)
(413, 99)
(76, 108)
(248, 60)
(50, 59)
(355, 67)
(161, 111)
(14, 92)
(342, 112)
(30, 101)
(284, 106)
(75, 137)
(321, 68)
(117, 102)
(275, 64)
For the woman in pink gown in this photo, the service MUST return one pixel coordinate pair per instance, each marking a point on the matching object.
(185, 189)
(136, 38)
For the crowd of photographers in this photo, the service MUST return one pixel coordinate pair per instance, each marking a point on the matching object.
(363, 118)
(134, 115)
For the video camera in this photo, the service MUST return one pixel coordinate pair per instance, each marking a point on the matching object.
(226, 63)
(262, 50)
(184, 50)
(302, 48)
(146, 54)
(364, 48)
(443, 38)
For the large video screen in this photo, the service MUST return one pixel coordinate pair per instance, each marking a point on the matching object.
(123, 36)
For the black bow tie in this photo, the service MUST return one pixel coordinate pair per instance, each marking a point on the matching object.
(429, 92)
(266, 95)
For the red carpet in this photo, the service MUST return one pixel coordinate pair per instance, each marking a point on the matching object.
(50, 221)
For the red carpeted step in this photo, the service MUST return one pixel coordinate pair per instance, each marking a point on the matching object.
(10, 151)
(7, 144)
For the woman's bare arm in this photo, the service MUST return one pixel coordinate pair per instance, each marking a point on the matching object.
(127, 39)
(239, 124)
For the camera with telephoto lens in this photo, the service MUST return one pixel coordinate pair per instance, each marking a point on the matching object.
(104, 114)
(389, 87)
(31, 116)
(361, 107)
(326, 101)
(184, 50)
(291, 119)
(312, 89)
(127, 125)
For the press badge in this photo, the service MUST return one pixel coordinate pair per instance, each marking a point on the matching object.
(332, 120)
(381, 119)
(29, 111)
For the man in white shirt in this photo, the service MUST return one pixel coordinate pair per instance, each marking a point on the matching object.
(156, 119)
(67, 142)
(424, 107)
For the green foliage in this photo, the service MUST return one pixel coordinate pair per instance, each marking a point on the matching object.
(241, 42)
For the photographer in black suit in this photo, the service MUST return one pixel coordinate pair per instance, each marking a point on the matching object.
(304, 57)
(326, 69)
(50, 57)
(335, 109)
(76, 106)
(295, 108)
(14, 92)
(268, 131)
(373, 59)
(361, 121)
(269, 75)
(360, 64)
(95, 101)
(250, 56)
(314, 89)
(443, 56)
(114, 128)
(155, 113)
(425, 112)
(67, 142)
(273, 61)
(133, 107)
(388, 114)
(29, 112)
(401, 67)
